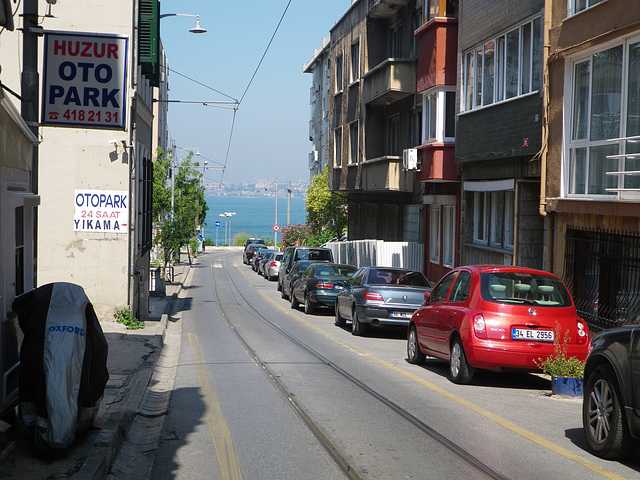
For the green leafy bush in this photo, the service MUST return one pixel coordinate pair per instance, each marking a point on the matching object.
(123, 315)
(558, 364)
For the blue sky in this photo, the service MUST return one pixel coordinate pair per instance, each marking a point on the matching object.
(271, 133)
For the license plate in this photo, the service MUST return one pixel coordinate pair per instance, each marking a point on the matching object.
(338, 287)
(401, 314)
(535, 335)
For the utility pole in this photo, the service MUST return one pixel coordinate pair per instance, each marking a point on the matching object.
(289, 202)
(275, 232)
(30, 91)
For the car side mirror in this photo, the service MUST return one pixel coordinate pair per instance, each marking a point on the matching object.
(427, 296)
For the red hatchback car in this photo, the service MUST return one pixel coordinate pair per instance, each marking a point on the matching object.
(495, 318)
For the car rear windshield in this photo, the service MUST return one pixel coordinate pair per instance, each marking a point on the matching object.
(312, 254)
(524, 288)
(335, 270)
(397, 277)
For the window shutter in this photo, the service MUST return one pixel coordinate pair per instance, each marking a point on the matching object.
(149, 40)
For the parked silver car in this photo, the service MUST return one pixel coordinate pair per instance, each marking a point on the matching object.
(270, 265)
(380, 296)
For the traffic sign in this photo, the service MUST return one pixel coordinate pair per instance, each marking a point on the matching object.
(276, 228)
(216, 223)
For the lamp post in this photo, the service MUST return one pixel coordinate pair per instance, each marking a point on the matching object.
(196, 29)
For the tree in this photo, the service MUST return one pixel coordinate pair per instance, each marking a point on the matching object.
(326, 210)
(177, 228)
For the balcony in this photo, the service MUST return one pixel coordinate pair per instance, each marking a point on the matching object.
(389, 81)
(383, 174)
(438, 163)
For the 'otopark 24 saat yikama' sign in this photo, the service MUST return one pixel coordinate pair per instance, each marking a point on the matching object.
(84, 83)
(101, 211)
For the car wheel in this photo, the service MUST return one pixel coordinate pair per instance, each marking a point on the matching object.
(357, 327)
(414, 354)
(309, 306)
(339, 321)
(603, 418)
(294, 303)
(459, 369)
(283, 293)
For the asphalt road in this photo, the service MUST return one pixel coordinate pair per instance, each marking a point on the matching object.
(263, 392)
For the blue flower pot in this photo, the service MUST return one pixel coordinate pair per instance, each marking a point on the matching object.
(566, 386)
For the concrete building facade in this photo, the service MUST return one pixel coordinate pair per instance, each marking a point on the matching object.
(374, 116)
(591, 184)
(499, 131)
(112, 265)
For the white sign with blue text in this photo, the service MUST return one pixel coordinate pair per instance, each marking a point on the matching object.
(101, 211)
(84, 84)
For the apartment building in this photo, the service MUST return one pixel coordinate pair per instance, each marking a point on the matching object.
(499, 131)
(374, 115)
(591, 179)
(436, 168)
(319, 95)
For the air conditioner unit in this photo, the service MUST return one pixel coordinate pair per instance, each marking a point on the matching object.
(410, 158)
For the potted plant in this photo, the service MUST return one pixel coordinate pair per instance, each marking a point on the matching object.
(566, 372)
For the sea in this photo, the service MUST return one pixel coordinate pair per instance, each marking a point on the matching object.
(254, 216)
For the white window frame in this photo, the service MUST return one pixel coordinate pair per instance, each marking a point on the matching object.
(586, 146)
(572, 9)
(339, 71)
(480, 218)
(434, 234)
(476, 68)
(434, 103)
(448, 235)
(337, 147)
(354, 71)
(494, 218)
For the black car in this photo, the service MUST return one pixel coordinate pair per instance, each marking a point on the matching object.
(253, 240)
(294, 273)
(611, 401)
(293, 254)
(249, 252)
(258, 256)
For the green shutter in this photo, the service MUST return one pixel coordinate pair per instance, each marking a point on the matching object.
(149, 38)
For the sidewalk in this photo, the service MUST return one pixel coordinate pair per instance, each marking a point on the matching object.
(133, 355)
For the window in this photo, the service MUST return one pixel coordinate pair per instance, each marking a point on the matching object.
(462, 287)
(19, 251)
(393, 134)
(604, 106)
(576, 6)
(146, 206)
(338, 74)
(439, 107)
(434, 234)
(493, 218)
(354, 73)
(448, 235)
(416, 127)
(440, 290)
(337, 147)
(396, 42)
(504, 67)
(353, 143)
(440, 8)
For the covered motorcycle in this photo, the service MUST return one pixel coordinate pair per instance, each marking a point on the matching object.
(63, 362)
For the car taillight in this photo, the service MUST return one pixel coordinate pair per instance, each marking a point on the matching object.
(375, 297)
(583, 336)
(479, 327)
(273, 264)
(324, 285)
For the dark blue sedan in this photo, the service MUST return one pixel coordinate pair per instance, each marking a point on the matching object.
(319, 285)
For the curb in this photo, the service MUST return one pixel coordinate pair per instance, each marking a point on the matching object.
(114, 431)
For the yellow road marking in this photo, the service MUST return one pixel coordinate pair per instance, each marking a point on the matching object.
(543, 442)
(218, 431)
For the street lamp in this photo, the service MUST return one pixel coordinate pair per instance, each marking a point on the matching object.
(196, 29)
